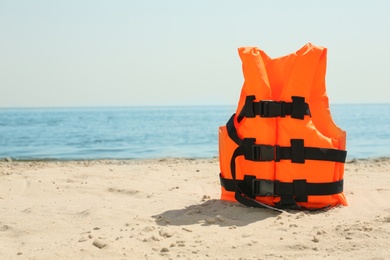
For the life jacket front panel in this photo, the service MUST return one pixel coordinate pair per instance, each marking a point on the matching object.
(281, 147)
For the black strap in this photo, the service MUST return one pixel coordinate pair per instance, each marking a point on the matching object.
(268, 108)
(289, 193)
(297, 153)
(232, 131)
(299, 188)
(241, 195)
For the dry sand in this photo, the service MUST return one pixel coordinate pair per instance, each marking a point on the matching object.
(170, 209)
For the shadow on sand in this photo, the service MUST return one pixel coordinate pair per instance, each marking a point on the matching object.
(214, 212)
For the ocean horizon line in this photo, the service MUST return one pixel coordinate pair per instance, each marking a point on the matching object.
(157, 106)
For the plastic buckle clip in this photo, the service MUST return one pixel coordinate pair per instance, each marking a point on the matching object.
(264, 108)
(268, 108)
(263, 188)
(264, 153)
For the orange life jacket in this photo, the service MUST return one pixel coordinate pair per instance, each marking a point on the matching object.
(281, 148)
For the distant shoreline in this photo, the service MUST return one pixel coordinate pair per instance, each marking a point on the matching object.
(161, 159)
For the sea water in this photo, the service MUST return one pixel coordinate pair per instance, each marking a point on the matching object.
(158, 132)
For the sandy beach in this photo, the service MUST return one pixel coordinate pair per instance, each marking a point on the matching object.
(170, 209)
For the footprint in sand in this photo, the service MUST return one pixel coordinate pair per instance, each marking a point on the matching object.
(123, 191)
(5, 228)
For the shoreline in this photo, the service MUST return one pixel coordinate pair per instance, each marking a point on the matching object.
(170, 208)
(10, 159)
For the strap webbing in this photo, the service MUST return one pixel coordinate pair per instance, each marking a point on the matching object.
(232, 131)
(297, 188)
(297, 153)
(289, 193)
(240, 195)
(267, 108)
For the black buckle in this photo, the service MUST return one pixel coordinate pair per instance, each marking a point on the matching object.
(260, 152)
(272, 108)
(282, 109)
(266, 108)
(263, 105)
(263, 188)
(266, 153)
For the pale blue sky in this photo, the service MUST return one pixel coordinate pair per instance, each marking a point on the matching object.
(178, 52)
